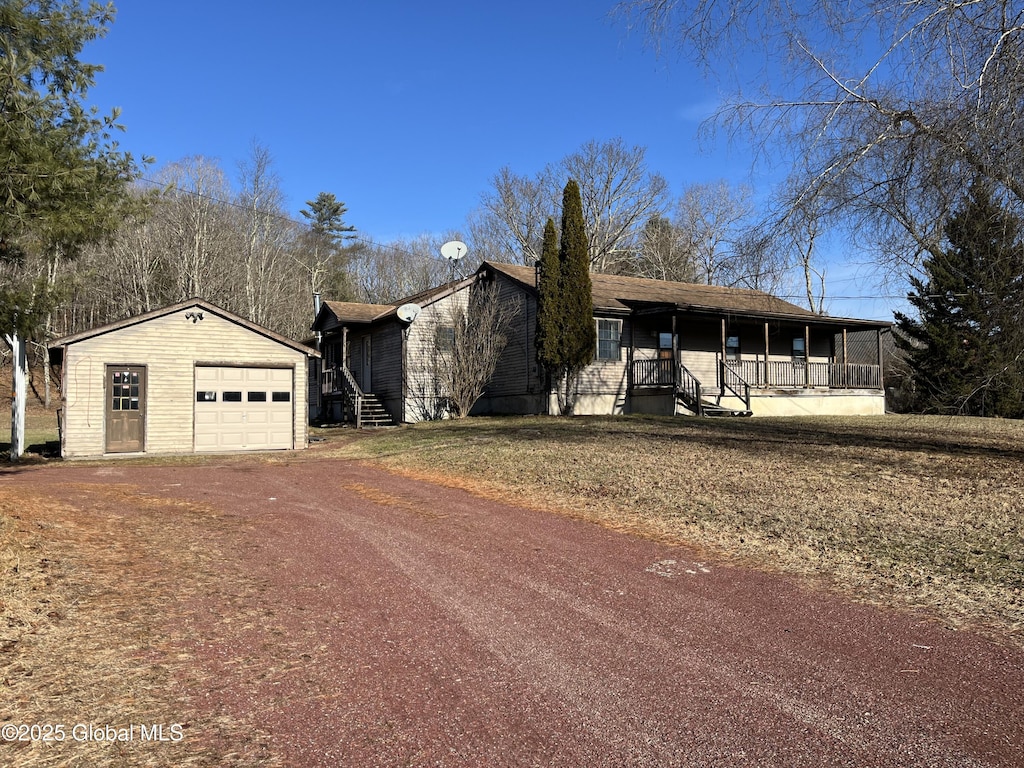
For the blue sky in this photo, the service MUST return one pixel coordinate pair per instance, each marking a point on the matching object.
(405, 110)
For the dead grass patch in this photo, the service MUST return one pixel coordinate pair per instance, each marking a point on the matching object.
(94, 623)
(911, 511)
(378, 496)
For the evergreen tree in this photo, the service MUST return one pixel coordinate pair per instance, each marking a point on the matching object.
(549, 306)
(326, 241)
(578, 336)
(966, 348)
(63, 182)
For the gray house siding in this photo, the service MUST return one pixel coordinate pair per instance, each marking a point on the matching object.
(517, 386)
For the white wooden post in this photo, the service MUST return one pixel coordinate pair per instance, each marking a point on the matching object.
(19, 382)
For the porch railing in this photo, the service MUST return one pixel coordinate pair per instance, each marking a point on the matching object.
(797, 373)
(658, 372)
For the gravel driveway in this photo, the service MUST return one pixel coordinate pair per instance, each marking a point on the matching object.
(400, 623)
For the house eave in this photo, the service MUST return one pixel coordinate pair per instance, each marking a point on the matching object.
(648, 309)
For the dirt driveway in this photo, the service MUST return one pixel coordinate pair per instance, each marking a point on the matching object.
(394, 622)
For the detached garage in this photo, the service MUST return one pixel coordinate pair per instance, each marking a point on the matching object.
(187, 378)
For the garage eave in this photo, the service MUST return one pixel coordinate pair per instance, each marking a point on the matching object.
(198, 304)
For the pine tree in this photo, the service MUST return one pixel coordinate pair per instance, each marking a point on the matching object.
(966, 347)
(326, 242)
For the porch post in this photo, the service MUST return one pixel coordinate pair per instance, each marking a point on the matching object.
(846, 363)
(766, 382)
(721, 360)
(675, 353)
(344, 347)
(807, 356)
(881, 378)
(629, 355)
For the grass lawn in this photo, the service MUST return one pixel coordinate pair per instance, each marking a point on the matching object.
(916, 511)
(40, 432)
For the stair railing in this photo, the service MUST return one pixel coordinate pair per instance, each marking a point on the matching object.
(353, 394)
(732, 381)
(688, 389)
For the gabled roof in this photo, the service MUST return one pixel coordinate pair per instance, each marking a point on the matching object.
(616, 293)
(205, 306)
(336, 313)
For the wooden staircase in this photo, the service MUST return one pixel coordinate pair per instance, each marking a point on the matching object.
(689, 392)
(372, 413)
(364, 409)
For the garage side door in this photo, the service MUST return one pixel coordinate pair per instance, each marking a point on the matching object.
(243, 409)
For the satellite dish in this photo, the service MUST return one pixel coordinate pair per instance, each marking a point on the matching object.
(408, 312)
(454, 250)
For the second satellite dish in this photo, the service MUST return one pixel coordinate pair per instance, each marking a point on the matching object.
(408, 312)
(454, 250)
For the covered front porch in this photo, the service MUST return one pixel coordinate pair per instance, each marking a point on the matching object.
(741, 365)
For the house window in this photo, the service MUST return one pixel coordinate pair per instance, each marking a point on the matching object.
(732, 347)
(799, 350)
(444, 338)
(608, 335)
(665, 346)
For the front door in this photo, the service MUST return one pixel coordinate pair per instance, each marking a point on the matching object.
(126, 408)
(366, 383)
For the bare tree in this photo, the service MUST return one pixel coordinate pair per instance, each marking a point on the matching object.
(384, 273)
(664, 252)
(888, 109)
(619, 195)
(758, 262)
(513, 216)
(713, 218)
(136, 262)
(469, 344)
(266, 231)
(798, 233)
(197, 231)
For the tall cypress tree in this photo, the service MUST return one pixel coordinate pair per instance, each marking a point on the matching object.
(966, 347)
(578, 334)
(549, 306)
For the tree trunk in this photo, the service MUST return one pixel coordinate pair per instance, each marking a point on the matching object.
(19, 372)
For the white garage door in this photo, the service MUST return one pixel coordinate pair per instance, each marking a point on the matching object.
(243, 409)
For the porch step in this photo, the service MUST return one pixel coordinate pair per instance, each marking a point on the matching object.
(718, 410)
(710, 409)
(374, 414)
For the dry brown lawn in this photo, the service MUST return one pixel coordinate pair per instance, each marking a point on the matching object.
(95, 630)
(95, 597)
(913, 511)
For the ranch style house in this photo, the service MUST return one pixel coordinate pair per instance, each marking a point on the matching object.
(662, 348)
